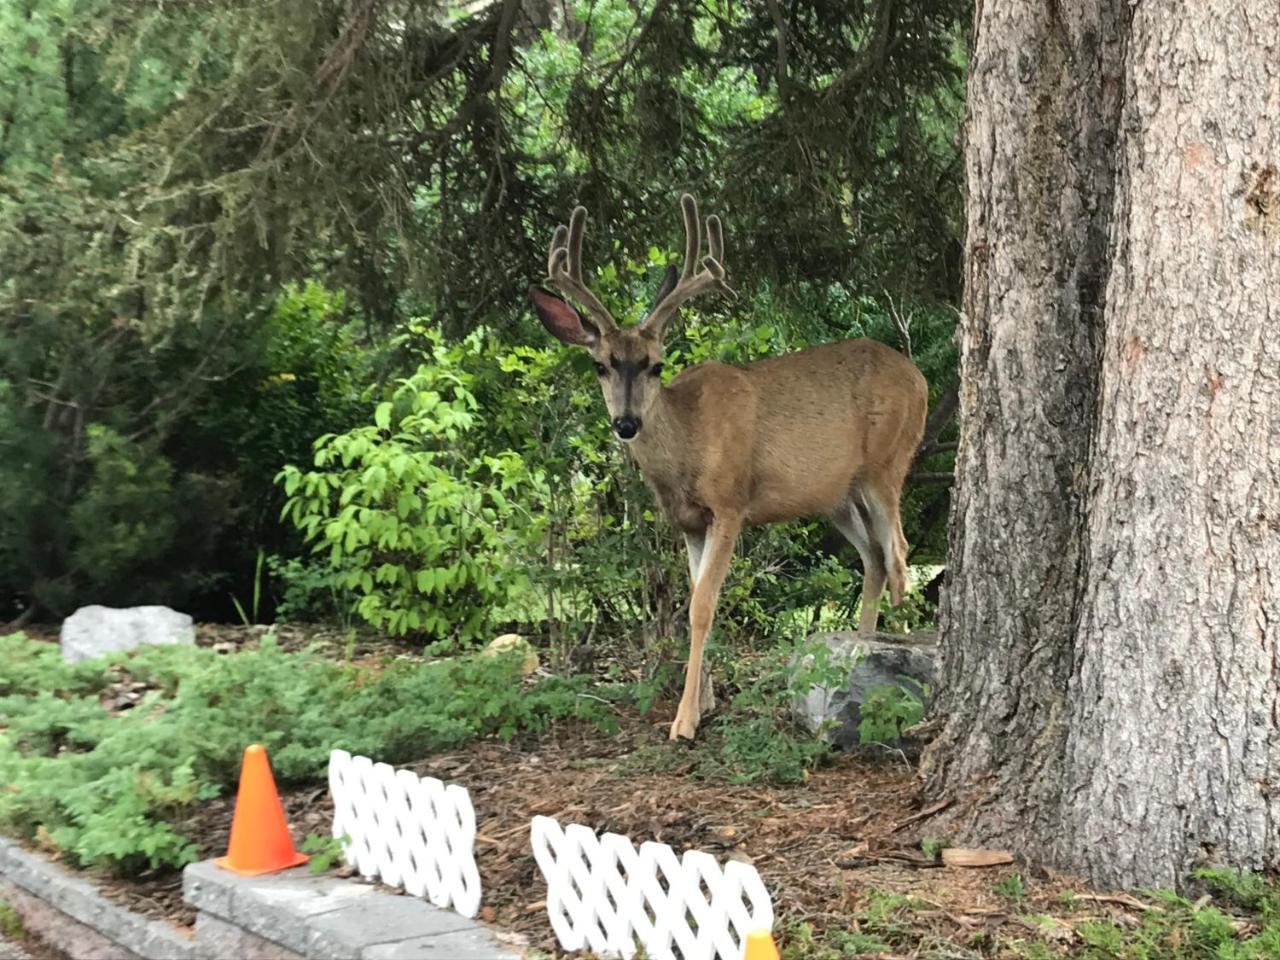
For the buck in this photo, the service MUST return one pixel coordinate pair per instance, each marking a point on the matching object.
(829, 430)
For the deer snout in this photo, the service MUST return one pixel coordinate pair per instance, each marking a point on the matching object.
(626, 427)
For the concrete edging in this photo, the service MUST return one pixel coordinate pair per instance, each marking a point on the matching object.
(292, 915)
(69, 913)
(296, 914)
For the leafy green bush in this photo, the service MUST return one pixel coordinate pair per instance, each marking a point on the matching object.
(116, 790)
(413, 514)
(761, 740)
(306, 591)
(888, 710)
(138, 465)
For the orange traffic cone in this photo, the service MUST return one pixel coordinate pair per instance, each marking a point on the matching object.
(260, 840)
(760, 946)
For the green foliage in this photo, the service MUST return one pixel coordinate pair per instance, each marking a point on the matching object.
(1248, 891)
(413, 515)
(124, 517)
(1176, 929)
(759, 738)
(141, 470)
(325, 850)
(1010, 887)
(116, 790)
(306, 591)
(799, 943)
(889, 709)
(932, 846)
(11, 925)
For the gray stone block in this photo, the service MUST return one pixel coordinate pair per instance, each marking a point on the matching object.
(386, 918)
(475, 944)
(72, 915)
(58, 930)
(92, 631)
(326, 918)
(876, 661)
(219, 940)
(208, 889)
(283, 916)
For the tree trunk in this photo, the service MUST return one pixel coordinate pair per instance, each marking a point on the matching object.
(1111, 622)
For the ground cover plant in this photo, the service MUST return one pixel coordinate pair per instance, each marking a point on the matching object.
(108, 788)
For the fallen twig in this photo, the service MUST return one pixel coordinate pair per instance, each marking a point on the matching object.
(924, 814)
(869, 860)
(1122, 899)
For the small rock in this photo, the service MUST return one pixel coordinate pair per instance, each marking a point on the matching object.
(879, 660)
(92, 631)
(513, 643)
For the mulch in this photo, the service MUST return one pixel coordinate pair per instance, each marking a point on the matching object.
(820, 847)
(792, 835)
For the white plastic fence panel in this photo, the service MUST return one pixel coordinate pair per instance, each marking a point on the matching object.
(606, 896)
(407, 831)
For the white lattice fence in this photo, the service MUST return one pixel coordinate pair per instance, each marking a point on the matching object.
(407, 831)
(605, 895)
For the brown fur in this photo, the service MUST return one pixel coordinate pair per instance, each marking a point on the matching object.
(828, 430)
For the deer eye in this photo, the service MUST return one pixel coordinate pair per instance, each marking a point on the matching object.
(656, 369)
(600, 370)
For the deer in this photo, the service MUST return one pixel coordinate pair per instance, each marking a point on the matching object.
(827, 430)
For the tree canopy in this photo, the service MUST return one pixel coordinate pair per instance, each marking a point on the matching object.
(166, 169)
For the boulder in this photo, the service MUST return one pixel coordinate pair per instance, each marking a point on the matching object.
(879, 660)
(92, 631)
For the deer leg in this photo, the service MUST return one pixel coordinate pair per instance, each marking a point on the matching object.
(886, 531)
(851, 520)
(720, 540)
(695, 543)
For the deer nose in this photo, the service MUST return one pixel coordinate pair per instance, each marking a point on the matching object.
(626, 427)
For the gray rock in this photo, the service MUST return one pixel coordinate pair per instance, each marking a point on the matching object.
(876, 661)
(296, 914)
(92, 631)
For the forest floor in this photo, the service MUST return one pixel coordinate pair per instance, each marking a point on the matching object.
(843, 854)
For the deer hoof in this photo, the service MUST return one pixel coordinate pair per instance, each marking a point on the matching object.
(683, 727)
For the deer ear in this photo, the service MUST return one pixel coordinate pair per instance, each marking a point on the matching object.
(562, 321)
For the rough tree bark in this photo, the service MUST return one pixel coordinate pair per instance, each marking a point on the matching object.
(1111, 622)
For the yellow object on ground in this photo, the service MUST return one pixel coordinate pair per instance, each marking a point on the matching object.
(760, 946)
(513, 643)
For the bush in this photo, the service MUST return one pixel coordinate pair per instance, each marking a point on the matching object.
(414, 515)
(117, 791)
(137, 466)
(890, 709)
(761, 739)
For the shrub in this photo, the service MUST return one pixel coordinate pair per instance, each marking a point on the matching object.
(761, 739)
(117, 790)
(888, 710)
(413, 515)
